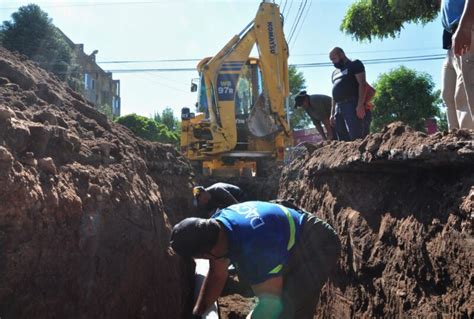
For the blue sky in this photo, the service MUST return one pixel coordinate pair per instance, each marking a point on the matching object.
(193, 29)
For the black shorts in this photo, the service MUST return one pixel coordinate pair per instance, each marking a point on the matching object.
(312, 260)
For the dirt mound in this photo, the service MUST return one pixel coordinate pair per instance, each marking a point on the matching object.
(85, 208)
(403, 205)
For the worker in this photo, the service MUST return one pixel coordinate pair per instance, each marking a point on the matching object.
(218, 195)
(284, 253)
(318, 108)
(457, 72)
(462, 37)
(349, 114)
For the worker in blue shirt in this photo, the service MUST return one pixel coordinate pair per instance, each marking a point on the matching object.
(284, 253)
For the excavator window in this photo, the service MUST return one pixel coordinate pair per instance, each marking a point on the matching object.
(203, 105)
(248, 89)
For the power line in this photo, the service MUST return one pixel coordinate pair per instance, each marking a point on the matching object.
(289, 8)
(372, 51)
(419, 58)
(299, 13)
(284, 7)
(293, 55)
(302, 23)
(152, 79)
(153, 70)
(148, 61)
(379, 61)
(94, 4)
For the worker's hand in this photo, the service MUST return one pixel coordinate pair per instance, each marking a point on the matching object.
(462, 40)
(333, 120)
(360, 111)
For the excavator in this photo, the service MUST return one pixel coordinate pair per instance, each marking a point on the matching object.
(241, 126)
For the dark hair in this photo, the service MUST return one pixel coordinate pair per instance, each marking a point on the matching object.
(194, 236)
(338, 49)
(300, 98)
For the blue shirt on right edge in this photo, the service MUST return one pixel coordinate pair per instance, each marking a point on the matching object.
(451, 13)
(261, 236)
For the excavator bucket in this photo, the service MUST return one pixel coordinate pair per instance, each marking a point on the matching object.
(261, 122)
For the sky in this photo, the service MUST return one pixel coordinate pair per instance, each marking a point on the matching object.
(144, 30)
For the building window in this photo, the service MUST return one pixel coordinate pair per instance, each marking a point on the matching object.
(87, 79)
(92, 84)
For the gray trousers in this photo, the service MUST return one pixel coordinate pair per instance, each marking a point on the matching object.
(458, 88)
(312, 260)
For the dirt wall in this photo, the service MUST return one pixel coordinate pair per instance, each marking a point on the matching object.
(85, 208)
(403, 205)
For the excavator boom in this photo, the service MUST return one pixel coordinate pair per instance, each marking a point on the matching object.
(243, 99)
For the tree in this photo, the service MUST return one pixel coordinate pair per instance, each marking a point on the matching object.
(32, 33)
(404, 95)
(442, 120)
(148, 129)
(298, 117)
(367, 19)
(107, 110)
(167, 118)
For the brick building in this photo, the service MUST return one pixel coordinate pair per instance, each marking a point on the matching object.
(99, 87)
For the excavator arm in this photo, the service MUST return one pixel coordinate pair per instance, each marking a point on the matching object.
(221, 74)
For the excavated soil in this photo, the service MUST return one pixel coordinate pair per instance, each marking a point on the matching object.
(403, 205)
(85, 208)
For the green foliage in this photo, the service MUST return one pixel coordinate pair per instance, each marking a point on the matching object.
(148, 129)
(368, 19)
(404, 95)
(172, 124)
(32, 33)
(107, 110)
(167, 118)
(298, 117)
(442, 120)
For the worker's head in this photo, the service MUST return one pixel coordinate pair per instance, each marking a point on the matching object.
(302, 99)
(338, 57)
(201, 196)
(195, 237)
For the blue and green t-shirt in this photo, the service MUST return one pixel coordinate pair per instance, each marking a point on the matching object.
(451, 11)
(260, 236)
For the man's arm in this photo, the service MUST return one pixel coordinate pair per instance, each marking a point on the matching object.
(462, 36)
(318, 126)
(224, 197)
(360, 110)
(213, 284)
(269, 305)
(333, 112)
(327, 125)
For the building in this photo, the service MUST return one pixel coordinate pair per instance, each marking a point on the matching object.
(99, 87)
(309, 135)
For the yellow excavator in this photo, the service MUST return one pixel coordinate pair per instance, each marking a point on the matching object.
(241, 125)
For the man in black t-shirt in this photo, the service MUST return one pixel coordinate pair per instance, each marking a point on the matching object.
(349, 112)
(218, 195)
